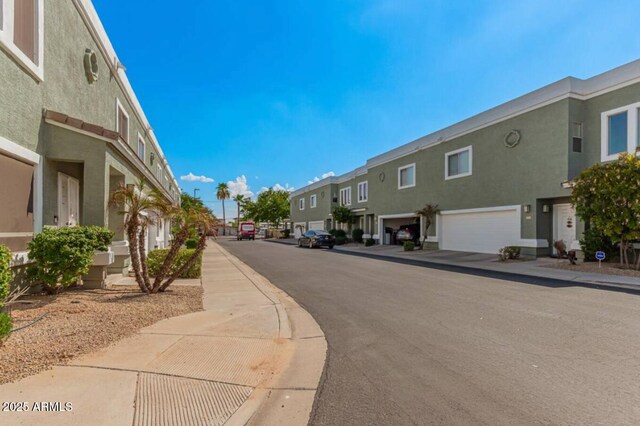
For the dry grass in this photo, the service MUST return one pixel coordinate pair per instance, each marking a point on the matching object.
(81, 321)
(592, 267)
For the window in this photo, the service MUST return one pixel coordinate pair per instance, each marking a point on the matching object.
(345, 196)
(363, 191)
(576, 137)
(313, 201)
(620, 131)
(122, 121)
(301, 203)
(458, 163)
(22, 33)
(407, 176)
(159, 173)
(141, 146)
(617, 142)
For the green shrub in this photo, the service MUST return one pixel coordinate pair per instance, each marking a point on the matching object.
(333, 232)
(369, 242)
(340, 240)
(340, 233)
(409, 246)
(509, 252)
(6, 324)
(191, 243)
(6, 274)
(100, 236)
(357, 234)
(156, 257)
(62, 255)
(594, 240)
(286, 233)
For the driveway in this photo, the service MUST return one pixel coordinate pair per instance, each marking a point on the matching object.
(413, 345)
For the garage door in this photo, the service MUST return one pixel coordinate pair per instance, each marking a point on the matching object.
(480, 232)
(316, 225)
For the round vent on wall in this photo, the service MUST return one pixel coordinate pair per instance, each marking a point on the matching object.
(322, 194)
(91, 65)
(381, 177)
(512, 139)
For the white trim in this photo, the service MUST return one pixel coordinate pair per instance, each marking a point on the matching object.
(15, 234)
(35, 69)
(516, 207)
(120, 107)
(400, 169)
(533, 242)
(144, 147)
(313, 201)
(347, 198)
(364, 183)
(18, 152)
(632, 130)
(458, 151)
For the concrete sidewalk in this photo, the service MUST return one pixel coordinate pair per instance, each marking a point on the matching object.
(253, 356)
(486, 264)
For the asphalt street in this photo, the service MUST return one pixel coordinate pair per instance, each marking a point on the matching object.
(413, 345)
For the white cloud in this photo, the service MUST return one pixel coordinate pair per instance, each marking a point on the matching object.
(193, 178)
(278, 187)
(324, 176)
(239, 186)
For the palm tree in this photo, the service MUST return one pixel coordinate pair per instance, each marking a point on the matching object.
(140, 209)
(239, 199)
(223, 194)
(428, 211)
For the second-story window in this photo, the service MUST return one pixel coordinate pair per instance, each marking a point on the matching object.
(458, 163)
(159, 173)
(122, 121)
(313, 200)
(21, 33)
(345, 196)
(141, 147)
(301, 203)
(363, 191)
(407, 176)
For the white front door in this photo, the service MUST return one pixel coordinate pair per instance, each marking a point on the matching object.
(68, 200)
(564, 224)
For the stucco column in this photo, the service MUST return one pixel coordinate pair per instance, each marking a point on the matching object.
(95, 191)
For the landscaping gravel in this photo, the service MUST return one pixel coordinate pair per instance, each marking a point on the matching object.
(592, 267)
(81, 321)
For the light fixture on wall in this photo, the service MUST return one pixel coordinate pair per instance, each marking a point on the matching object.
(527, 208)
(152, 157)
(545, 208)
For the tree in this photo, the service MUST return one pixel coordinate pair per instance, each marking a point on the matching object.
(607, 196)
(142, 208)
(239, 199)
(223, 194)
(427, 212)
(343, 214)
(272, 206)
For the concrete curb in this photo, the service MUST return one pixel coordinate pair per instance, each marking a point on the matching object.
(522, 277)
(288, 397)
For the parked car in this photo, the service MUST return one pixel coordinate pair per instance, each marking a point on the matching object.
(246, 231)
(317, 238)
(409, 232)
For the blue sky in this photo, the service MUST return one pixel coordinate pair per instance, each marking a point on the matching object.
(280, 92)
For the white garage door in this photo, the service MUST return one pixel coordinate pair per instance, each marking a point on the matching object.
(480, 232)
(316, 225)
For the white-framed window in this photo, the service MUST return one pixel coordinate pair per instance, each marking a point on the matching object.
(313, 201)
(159, 173)
(301, 203)
(141, 147)
(407, 176)
(22, 33)
(458, 163)
(620, 131)
(122, 121)
(345, 196)
(363, 191)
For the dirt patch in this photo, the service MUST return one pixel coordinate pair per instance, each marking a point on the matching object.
(81, 321)
(592, 267)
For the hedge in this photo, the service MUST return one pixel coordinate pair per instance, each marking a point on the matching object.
(5, 279)
(156, 257)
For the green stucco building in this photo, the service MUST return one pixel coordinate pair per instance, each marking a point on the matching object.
(71, 127)
(502, 177)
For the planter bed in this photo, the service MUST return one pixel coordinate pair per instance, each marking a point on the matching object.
(81, 321)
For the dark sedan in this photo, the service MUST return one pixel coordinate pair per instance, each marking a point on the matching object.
(317, 238)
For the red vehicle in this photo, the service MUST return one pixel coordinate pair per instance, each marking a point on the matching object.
(247, 231)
